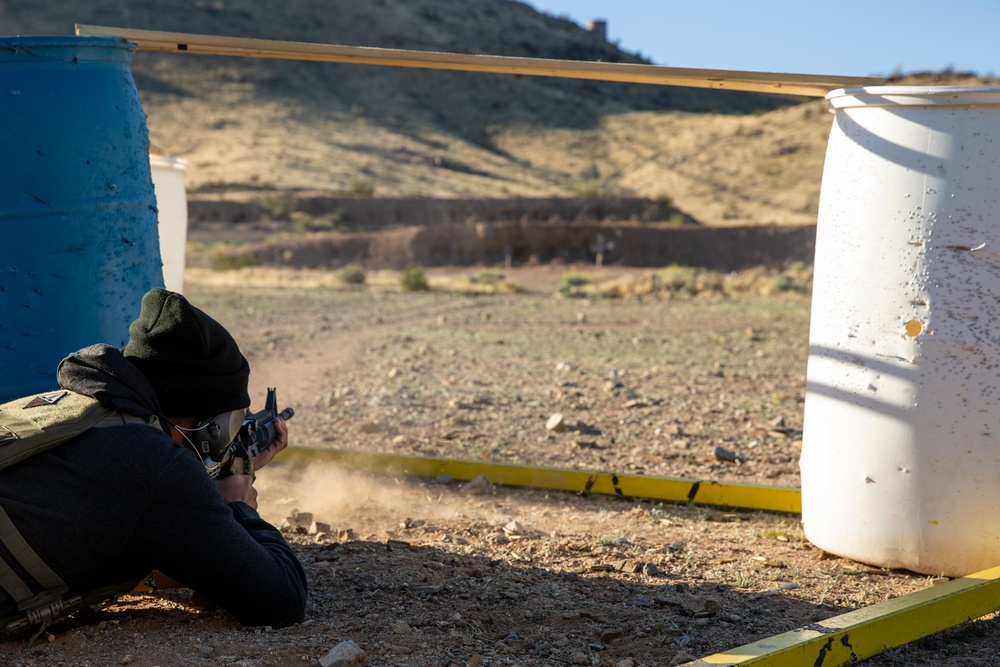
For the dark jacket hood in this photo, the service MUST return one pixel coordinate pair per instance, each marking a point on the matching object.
(102, 372)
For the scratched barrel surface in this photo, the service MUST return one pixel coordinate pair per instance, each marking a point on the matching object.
(77, 211)
(901, 446)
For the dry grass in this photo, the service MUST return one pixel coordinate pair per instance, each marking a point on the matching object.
(684, 281)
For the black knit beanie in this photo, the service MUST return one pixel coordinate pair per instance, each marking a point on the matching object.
(193, 363)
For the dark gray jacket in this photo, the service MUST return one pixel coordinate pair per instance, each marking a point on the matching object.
(118, 502)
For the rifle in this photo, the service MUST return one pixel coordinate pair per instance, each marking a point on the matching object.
(256, 434)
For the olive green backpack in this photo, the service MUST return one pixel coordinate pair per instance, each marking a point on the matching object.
(28, 426)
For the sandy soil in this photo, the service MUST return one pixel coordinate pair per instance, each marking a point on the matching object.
(426, 572)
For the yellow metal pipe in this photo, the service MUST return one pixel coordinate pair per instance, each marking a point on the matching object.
(861, 634)
(812, 85)
(671, 489)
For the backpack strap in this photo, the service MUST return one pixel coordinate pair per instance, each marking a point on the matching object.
(29, 560)
(37, 609)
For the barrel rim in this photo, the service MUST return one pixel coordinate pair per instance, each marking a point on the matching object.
(883, 96)
(11, 46)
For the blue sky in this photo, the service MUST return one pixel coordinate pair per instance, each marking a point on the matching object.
(847, 37)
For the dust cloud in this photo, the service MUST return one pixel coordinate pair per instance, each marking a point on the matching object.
(369, 505)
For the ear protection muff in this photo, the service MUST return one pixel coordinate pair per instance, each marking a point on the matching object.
(213, 436)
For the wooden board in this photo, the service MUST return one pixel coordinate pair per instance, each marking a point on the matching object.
(810, 85)
(867, 632)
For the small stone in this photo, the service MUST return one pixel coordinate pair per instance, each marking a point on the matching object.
(497, 538)
(444, 479)
(723, 454)
(556, 423)
(611, 634)
(696, 604)
(479, 486)
(632, 566)
(650, 570)
(299, 519)
(401, 627)
(681, 657)
(317, 527)
(344, 654)
(475, 661)
(579, 658)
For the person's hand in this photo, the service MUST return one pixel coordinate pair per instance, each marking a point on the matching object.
(279, 443)
(238, 488)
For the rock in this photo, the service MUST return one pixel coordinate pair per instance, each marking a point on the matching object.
(723, 454)
(632, 566)
(650, 570)
(401, 627)
(556, 423)
(611, 634)
(518, 529)
(479, 486)
(299, 519)
(318, 527)
(344, 654)
(579, 658)
(444, 479)
(498, 538)
(696, 605)
(681, 657)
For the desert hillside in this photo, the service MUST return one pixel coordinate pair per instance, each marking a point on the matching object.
(253, 127)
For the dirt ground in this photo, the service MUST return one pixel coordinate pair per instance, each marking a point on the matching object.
(433, 572)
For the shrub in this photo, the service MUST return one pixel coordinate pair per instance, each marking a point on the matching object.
(487, 277)
(230, 262)
(413, 279)
(352, 274)
(664, 200)
(335, 221)
(280, 206)
(362, 187)
(570, 283)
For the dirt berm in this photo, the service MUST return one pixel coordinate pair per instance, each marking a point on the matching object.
(395, 233)
(629, 244)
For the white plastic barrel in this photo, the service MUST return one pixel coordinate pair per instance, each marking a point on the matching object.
(901, 447)
(171, 202)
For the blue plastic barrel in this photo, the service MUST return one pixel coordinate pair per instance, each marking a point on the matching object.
(78, 220)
